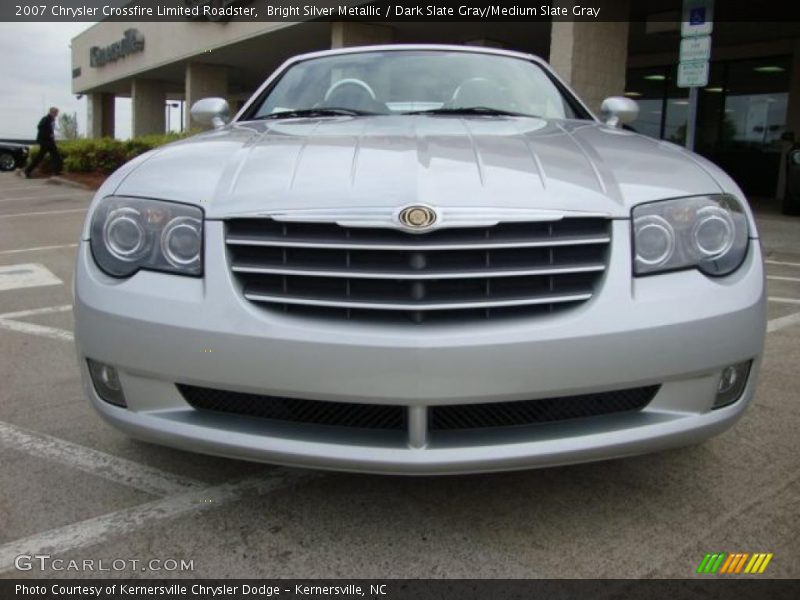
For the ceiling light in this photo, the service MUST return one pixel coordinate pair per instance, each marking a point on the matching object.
(633, 94)
(714, 90)
(769, 69)
(655, 77)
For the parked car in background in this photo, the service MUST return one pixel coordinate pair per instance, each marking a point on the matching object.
(419, 260)
(13, 156)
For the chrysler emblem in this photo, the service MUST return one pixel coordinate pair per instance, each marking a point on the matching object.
(417, 217)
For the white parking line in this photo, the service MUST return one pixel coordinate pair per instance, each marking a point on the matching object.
(781, 262)
(27, 186)
(44, 331)
(783, 322)
(8, 321)
(42, 212)
(57, 196)
(94, 462)
(37, 249)
(122, 522)
(781, 278)
(36, 311)
(26, 275)
(780, 300)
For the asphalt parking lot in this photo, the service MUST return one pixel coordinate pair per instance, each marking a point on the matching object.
(74, 488)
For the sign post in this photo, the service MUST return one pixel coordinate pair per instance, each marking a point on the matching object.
(695, 53)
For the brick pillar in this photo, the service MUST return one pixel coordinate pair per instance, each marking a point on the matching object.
(345, 34)
(148, 105)
(591, 56)
(204, 81)
(100, 115)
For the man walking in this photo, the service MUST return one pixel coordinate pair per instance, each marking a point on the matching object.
(46, 139)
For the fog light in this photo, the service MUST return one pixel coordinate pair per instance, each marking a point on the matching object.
(106, 382)
(731, 383)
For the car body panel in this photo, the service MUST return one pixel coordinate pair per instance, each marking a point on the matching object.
(677, 330)
(399, 160)
(20, 152)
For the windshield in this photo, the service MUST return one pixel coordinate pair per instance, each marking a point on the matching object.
(397, 82)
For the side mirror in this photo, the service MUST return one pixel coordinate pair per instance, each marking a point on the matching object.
(619, 110)
(211, 111)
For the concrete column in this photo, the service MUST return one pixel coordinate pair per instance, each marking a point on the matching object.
(100, 115)
(204, 81)
(591, 57)
(792, 118)
(148, 107)
(349, 33)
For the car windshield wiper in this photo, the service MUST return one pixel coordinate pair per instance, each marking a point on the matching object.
(315, 112)
(468, 110)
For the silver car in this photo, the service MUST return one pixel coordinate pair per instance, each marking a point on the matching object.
(419, 260)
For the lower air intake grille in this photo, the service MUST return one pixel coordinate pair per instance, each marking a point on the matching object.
(293, 410)
(441, 418)
(529, 412)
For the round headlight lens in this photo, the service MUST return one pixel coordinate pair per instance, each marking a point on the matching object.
(129, 234)
(655, 240)
(181, 241)
(713, 231)
(709, 233)
(124, 234)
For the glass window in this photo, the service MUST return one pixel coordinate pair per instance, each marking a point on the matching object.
(756, 98)
(648, 87)
(402, 81)
(741, 115)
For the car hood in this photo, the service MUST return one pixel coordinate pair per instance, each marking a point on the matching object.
(507, 162)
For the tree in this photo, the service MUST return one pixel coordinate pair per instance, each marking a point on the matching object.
(68, 126)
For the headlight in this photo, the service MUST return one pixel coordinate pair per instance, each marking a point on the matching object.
(704, 232)
(128, 234)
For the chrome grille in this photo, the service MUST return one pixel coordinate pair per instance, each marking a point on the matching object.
(372, 272)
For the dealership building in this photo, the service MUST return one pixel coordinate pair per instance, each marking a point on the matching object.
(751, 101)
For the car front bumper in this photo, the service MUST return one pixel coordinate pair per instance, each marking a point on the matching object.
(678, 330)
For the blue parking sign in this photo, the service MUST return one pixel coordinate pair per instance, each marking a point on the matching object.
(697, 16)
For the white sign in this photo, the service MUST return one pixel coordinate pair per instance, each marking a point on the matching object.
(696, 48)
(693, 74)
(698, 18)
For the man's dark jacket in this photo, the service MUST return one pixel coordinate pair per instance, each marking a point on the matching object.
(45, 130)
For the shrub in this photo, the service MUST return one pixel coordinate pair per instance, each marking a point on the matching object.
(104, 155)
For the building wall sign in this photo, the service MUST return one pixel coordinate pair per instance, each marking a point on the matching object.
(132, 42)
